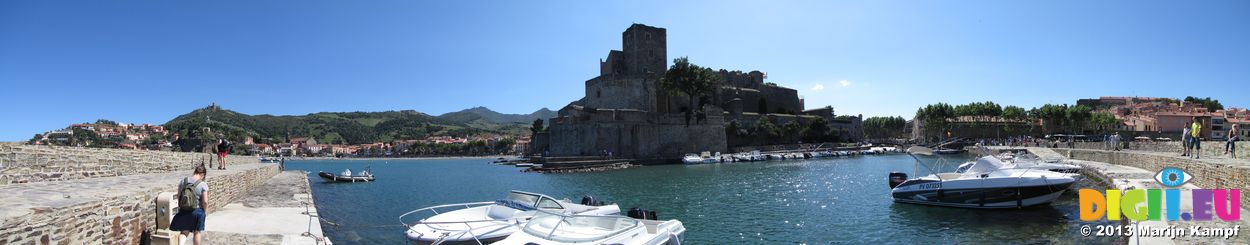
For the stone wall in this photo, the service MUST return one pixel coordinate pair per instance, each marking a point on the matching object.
(1234, 175)
(109, 210)
(1209, 148)
(635, 135)
(31, 163)
(620, 92)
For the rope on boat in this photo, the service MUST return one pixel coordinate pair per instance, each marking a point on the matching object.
(338, 226)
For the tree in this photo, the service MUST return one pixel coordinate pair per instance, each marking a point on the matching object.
(791, 130)
(1078, 117)
(1103, 121)
(817, 131)
(884, 127)
(1054, 117)
(537, 127)
(1210, 104)
(689, 79)
(1013, 114)
(766, 129)
(935, 116)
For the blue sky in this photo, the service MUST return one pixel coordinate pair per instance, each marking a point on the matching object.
(64, 62)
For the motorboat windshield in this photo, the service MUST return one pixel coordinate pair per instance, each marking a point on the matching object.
(577, 228)
(532, 200)
(985, 164)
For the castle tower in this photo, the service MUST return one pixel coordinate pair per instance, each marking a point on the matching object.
(645, 50)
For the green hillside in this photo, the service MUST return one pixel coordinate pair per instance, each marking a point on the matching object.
(487, 115)
(332, 127)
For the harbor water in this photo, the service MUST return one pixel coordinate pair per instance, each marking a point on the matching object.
(821, 201)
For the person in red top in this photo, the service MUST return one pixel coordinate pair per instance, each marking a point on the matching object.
(223, 148)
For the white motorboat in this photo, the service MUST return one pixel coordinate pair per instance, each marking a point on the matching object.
(984, 184)
(556, 228)
(1026, 161)
(692, 159)
(705, 157)
(486, 222)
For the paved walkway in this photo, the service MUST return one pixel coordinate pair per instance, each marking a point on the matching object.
(277, 212)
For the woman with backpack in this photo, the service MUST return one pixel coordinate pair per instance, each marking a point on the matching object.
(192, 200)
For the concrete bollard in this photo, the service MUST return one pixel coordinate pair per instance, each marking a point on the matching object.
(165, 205)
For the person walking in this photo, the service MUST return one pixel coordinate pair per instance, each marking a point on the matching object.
(1231, 146)
(1196, 144)
(1185, 138)
(223, 149)
(192, 201)
(1115, 142)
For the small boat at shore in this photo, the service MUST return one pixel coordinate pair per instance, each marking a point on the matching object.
(487, 222)
(347, 176)
(705, 157)
(691, 159)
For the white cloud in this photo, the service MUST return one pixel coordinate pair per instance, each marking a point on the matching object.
(818, 87)
(845, 83)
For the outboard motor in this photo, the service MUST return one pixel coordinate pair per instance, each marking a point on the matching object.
(588, 201)
(897, 178)
(635, 212)
(639, 213)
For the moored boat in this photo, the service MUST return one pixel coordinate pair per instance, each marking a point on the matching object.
(486, 222)
(557, 228)
(984, 184)
(347, 176)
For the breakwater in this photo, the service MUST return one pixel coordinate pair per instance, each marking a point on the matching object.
(114, 208)
(32, 163)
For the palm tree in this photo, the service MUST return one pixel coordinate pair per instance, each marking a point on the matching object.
(690, 79)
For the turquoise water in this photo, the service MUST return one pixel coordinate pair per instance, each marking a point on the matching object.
(835, 200)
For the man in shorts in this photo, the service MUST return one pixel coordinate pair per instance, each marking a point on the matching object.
(190, 217)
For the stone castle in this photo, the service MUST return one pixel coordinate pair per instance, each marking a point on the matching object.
(625, 111)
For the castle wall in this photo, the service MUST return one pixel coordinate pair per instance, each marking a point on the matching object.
(620, 92)
(635, 134)
(781, 100)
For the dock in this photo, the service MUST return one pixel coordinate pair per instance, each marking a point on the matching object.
(1124, 170)
(281, 211)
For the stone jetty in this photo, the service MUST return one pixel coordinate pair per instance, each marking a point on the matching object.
(1135, 169)
(74, 195)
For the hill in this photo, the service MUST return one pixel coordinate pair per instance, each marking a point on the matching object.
(484, 114)
(333, 127)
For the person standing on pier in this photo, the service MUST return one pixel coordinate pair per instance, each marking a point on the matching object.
(192, 201)
(1196, 144)
(1185, 138)
(1231, 146)
(223, 148)
(1115, 141)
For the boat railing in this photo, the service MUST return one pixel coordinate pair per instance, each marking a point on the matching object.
(434, 210)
